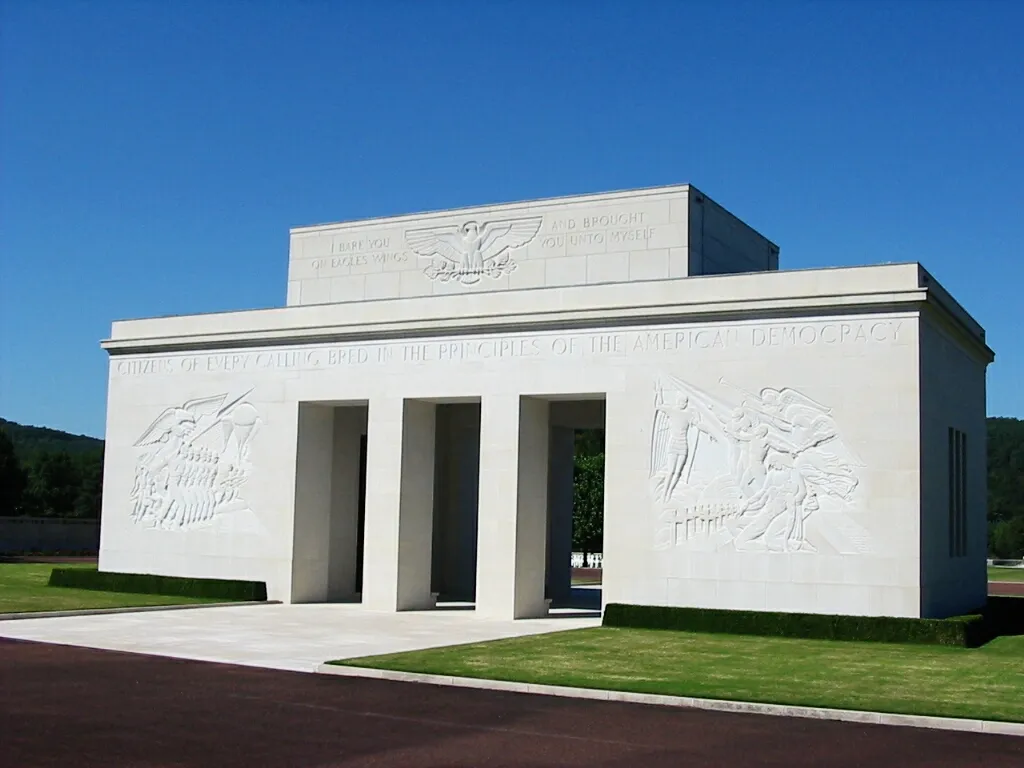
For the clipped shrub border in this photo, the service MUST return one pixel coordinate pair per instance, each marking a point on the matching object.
(961, 631)
(151, 584)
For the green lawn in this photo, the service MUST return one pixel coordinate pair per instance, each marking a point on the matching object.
(995, 573)
(914, 679)
(23, 588)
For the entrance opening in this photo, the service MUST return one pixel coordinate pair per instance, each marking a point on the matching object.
(456, 503)
(575, 503)
(361, 525)
(330, 503)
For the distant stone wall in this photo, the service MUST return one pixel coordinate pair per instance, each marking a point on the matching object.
(45, 534)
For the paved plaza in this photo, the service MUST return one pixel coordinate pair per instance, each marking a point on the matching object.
(292, 637)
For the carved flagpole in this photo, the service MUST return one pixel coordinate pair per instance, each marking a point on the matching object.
(691, 457)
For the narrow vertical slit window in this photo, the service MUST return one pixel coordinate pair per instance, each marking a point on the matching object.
(951, 495)
(963, 494)
(957, 449)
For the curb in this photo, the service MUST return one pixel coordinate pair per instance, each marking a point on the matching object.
(129, 609)
(717, 705)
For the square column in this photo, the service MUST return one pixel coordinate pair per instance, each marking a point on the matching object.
(312, 511)
(399, 505)
(513, 526)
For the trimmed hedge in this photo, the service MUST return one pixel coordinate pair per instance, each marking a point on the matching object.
(963, 631)
(151, 584)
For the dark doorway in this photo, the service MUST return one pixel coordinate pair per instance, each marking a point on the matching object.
(361, 525)
(456, 502)
(575, 500)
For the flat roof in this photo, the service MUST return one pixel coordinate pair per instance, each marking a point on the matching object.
(589, 197)
(796, 293)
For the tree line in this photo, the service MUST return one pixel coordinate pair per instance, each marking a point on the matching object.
(49, 473)
(1006, 488)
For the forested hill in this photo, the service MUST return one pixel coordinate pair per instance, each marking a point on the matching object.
(1006, 487)
(32, 440)
(49, 473)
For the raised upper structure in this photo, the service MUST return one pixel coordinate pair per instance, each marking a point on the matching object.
(650, 234)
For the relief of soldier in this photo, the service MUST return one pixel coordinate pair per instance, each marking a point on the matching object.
(192, 462)
(748, 474)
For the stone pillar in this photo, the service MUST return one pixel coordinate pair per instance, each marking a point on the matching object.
(312, 519)
(399, 505)
(560, 497)
(349, 427)
(622, 573)
(512, 532)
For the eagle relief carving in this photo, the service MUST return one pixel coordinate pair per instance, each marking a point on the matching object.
(192, 463)
(468, 252)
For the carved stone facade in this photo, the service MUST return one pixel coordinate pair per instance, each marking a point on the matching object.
(193, 461)
(402, 431)
(657, 234)
(471, 251)
(759, 472)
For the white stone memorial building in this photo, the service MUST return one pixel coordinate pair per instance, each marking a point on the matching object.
(402, 430)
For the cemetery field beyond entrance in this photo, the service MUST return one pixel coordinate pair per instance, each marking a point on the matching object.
(997, 573)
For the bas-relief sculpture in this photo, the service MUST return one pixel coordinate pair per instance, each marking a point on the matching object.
(192, 463)
(766, 472)
(466, 253)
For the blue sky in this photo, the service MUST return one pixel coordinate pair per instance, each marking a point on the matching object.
(153, 155)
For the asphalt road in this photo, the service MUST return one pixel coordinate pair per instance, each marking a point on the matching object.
(1007, 588)
(62, 705)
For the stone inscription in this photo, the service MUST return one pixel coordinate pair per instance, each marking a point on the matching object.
(361, 252)
(614, 228)
(581, 345)
(471, 250)
(598, 221)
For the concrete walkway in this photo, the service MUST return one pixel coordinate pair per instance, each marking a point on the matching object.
(291, 637)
